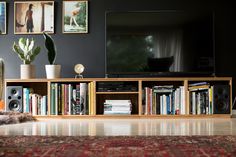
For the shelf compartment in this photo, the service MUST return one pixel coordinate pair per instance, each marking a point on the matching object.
(117, 86)
(117, 92)
(100, 99)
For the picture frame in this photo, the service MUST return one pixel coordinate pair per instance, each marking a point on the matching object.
(33, 17)
(75, 16)
(3, 25)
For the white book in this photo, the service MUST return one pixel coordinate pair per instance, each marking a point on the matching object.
(83, 97)
(114, 104)
(117, 101)
(193, 103)
(164, 105)
(198, 103)
(183, 106)
(161, 104)
(117, 112)
(34, 105)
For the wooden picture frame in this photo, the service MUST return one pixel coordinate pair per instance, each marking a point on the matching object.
(75, 16)
(3, 25)
(33, 17)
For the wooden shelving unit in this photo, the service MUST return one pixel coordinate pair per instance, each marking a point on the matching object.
(97, 98)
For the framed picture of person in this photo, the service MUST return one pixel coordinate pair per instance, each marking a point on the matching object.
(75, 16)
(33, 17)
(3, 18)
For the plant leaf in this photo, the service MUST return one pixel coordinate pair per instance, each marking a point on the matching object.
(49, 44)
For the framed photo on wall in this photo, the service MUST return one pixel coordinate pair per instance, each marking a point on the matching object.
(33, 17)
(3, 18)
(75, 16)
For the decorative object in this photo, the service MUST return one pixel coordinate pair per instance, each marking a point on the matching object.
(75, 16)
(1, 83)
(53, 70)
(79, 68)
(15, 117)
(33, 17)
(136, 146)
(26, 52)
(2, 17)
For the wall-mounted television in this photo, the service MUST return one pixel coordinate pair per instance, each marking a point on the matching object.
(160, 43)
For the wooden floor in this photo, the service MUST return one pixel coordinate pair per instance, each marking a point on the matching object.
(128, 127)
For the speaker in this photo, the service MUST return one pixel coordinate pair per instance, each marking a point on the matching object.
(221, 99)
(14, 98)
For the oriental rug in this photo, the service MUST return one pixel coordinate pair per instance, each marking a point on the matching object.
(118, 146)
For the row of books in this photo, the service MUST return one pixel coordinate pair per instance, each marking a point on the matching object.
(69, 99)
(201, 98)
(120, 107)
(164, 100)
(34, 103)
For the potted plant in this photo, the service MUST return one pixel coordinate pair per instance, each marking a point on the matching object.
(27, 53)
(52, 70)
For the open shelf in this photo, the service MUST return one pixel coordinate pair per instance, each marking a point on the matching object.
(133, 89)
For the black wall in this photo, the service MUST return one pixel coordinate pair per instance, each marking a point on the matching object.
(89, 49)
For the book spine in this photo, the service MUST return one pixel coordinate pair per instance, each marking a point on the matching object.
(83, 98)
(69, 98)
(52, 104)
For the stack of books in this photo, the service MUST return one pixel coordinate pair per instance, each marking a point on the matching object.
(164, 100)
(201, 98)
(117, 107)
(34, 103)
(69, 99)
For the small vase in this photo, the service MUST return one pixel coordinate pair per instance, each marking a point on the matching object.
(27, 71)
(53, 71)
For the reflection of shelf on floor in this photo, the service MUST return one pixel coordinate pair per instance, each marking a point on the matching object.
(117, 92)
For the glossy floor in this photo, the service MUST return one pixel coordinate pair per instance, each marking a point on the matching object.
(115, 127)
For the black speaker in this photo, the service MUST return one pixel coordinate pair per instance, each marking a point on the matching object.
(221, 99)
(14, 98)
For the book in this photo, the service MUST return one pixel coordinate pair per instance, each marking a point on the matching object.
(83, 98)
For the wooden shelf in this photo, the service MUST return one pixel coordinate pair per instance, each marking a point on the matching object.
(42, 86)
(133, 116)
(117, 92)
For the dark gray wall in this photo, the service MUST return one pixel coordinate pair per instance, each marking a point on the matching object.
(89, 49)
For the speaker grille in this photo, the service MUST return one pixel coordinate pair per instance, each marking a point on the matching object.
(221, 99)
(14, 98)
(15, 105)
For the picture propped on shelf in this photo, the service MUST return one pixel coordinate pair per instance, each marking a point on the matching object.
(2, 17)
(75, 17)
(33, 17)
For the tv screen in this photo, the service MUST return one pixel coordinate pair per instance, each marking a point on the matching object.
(160, 42)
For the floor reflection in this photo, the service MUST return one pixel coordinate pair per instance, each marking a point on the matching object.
(124, 127)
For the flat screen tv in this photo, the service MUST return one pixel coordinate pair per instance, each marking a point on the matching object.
(160, 43)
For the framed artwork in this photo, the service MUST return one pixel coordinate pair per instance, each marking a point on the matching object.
(33, 17)
(75, 16)
(3, 18)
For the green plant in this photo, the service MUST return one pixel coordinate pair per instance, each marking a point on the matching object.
(49, 44)
(25, 50)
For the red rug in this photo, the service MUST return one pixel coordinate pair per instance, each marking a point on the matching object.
(118, 146)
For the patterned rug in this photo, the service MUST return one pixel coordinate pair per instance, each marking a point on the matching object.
(118, 146)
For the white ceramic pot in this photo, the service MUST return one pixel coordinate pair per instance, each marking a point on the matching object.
(27, 71)
(53, 71)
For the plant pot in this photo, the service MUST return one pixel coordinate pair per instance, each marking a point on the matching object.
(53, 71)
(27, 71)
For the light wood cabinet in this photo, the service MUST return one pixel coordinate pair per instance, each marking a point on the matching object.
(125, 89)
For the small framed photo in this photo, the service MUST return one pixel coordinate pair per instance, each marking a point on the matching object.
(3, 18)
(33, 17)
(75, 16)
